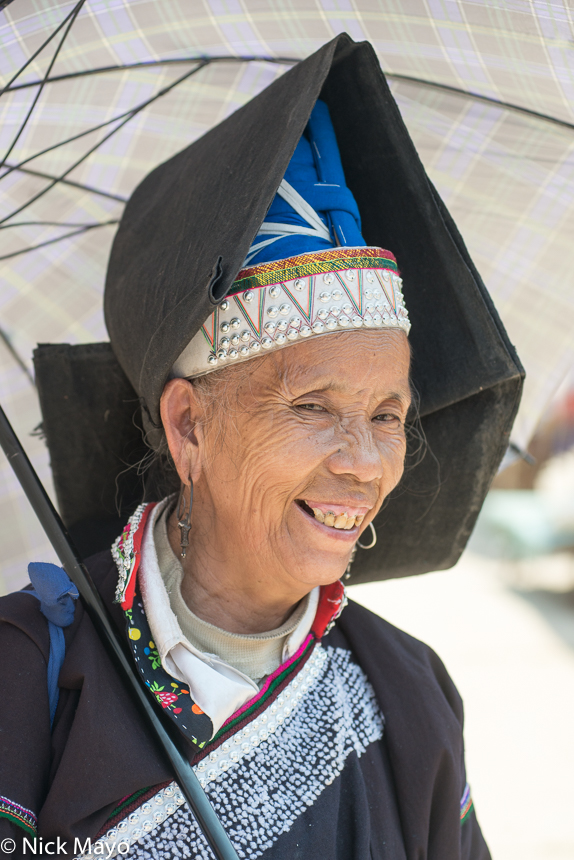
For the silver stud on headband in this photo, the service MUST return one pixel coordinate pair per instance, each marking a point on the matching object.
(262, 324)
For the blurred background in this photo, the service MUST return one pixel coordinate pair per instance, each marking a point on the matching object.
(502, 621)
(96, 93)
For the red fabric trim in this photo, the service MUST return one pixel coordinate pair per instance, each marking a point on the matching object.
(330, 607)
(260, 710)
(138, 537)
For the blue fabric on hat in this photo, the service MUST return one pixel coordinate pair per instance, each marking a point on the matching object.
(316, 173)
(56, 593)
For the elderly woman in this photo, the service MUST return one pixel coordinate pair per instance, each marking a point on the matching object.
(318, 731)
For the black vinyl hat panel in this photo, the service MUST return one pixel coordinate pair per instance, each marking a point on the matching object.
(183, 237)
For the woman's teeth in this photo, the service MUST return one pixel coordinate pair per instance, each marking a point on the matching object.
(337, 521)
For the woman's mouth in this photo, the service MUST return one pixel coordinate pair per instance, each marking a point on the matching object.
(334, 516)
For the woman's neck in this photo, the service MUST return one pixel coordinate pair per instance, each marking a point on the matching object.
(223, 592)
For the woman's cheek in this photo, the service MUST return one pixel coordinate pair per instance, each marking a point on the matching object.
(393, 451)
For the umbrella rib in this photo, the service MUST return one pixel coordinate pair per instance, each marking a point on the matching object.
(288, 61)
(16, 355)
(43, 82)
(58, 239)
(38, 51)
(487, 99)
(153, 63)
(52, 224)
(133, 113)
(69, 140)
(70, 182)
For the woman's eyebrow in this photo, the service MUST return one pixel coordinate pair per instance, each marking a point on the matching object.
(402, 397)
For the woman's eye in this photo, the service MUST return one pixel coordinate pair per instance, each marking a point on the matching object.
(387, 418)
(311, 407)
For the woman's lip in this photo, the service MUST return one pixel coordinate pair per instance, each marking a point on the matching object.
(346, 535)
(346, 508)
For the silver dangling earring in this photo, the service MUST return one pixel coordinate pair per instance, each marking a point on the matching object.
(184, 516)
(373, 542)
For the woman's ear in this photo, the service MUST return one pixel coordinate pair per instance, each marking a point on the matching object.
(183, 415)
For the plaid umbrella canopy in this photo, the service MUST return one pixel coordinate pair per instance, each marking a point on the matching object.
(97, 93)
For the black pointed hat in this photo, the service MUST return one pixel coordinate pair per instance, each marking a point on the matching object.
(183, 238)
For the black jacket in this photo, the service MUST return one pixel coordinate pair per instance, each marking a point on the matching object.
(99, 750)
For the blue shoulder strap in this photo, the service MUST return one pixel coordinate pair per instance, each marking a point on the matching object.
(56, 593)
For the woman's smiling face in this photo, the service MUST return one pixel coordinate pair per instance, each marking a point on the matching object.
(293, 456)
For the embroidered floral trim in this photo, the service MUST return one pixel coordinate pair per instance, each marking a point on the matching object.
(466, 804)
(173, 696)
(19, 815)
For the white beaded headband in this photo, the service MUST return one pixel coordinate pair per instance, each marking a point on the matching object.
(273, 305)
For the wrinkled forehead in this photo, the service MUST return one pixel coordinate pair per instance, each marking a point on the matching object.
(369, 365)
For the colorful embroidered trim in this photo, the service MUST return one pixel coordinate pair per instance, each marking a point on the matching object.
(270, 690)
(19, 815)
(465, 804)
(128, 805)
(173, 696)
(333, 260)
(126, 551)
(301, 297)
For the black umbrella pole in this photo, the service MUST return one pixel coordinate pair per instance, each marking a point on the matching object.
(70, 559)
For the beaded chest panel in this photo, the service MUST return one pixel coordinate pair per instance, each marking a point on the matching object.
(263, 777)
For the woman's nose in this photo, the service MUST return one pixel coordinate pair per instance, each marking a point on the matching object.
(357, 454)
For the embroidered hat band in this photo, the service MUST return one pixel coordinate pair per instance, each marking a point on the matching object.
(277, 303)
